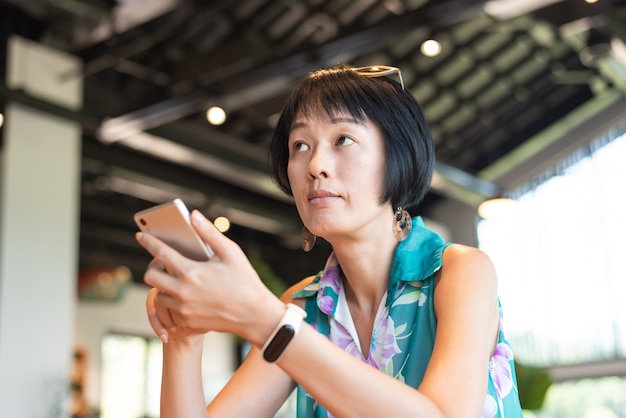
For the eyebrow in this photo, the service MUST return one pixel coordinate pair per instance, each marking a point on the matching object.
(334, 120)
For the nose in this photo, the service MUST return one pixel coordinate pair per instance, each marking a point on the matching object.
(319, 164)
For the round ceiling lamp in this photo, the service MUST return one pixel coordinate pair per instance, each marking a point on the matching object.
(222, 223)
(431, 48)
(216, 115)
(496, 207)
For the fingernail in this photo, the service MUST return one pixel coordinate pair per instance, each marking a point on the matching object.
(197, 216)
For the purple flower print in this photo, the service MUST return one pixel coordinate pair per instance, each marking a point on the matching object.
(326, 304)
(384, 345)
(331, 279)
(342, 339)
(500, 369)
(329, 287)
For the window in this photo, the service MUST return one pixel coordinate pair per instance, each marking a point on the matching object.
(561, 277)
(131, 376)
(561, 252)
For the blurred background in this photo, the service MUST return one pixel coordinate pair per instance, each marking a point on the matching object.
(108, 107)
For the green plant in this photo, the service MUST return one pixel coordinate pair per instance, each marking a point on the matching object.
(533, 384)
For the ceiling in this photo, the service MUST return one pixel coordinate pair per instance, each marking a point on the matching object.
(509, 71)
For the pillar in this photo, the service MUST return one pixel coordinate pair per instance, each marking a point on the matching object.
(39, 230)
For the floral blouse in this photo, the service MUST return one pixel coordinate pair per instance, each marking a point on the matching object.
(405, 325)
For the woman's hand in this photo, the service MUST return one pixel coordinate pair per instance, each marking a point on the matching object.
(193, 297)
(161, 321)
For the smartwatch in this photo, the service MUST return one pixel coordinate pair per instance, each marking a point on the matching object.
(283, 334)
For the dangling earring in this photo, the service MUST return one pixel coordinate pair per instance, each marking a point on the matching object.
(402, 224)
(308, 239)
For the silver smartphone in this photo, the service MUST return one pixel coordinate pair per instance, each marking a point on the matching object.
(170, 223)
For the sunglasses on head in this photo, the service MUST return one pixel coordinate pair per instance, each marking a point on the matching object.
(380, 71)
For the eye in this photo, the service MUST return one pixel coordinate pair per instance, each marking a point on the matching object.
(344, 140)
(300, 146)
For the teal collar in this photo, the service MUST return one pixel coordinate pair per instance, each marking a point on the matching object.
(417, 258)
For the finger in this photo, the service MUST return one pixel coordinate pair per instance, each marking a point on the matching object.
(165, 307)
(156, 265)
(156, 276)
(157, 326)
(169, 258)
(218, 242)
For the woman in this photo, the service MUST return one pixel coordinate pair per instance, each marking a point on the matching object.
(399, 323)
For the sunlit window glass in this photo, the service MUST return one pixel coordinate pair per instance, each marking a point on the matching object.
(131, 376)
(561, 277)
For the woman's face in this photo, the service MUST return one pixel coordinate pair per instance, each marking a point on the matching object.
(336, 171)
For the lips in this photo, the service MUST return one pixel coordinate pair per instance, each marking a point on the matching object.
(320, 195)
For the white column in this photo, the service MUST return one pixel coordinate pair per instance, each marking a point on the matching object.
(39, 228)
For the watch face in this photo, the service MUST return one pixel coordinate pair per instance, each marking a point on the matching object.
(278, 344)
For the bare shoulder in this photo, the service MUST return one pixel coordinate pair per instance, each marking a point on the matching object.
(465, 266)
(466, 286)
(463, 256)
(286, 296)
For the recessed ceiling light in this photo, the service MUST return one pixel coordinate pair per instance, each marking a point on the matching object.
(496, 208)
(508, 9)
(216, 115)
(430, 48)
(222, 223)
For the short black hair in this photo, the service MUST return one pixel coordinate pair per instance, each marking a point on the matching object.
(410, 154)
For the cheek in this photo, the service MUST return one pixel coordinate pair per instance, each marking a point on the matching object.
(294, 178)
(366, 176)
(374, 186)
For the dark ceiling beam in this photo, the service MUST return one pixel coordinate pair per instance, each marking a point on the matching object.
(32, 8)
(507, 110)
(484, 188)
(215, 142)
(8, 95)
(137, 166)
(563, 137)
(125, 16)
(115, 54)
(266, 80)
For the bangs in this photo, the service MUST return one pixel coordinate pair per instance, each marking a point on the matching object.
(334, 92)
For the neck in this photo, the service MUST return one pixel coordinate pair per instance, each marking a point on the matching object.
(365, 266)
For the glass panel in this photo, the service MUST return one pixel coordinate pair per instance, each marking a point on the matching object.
(558, 257)
(123, 376)
(154, 365)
